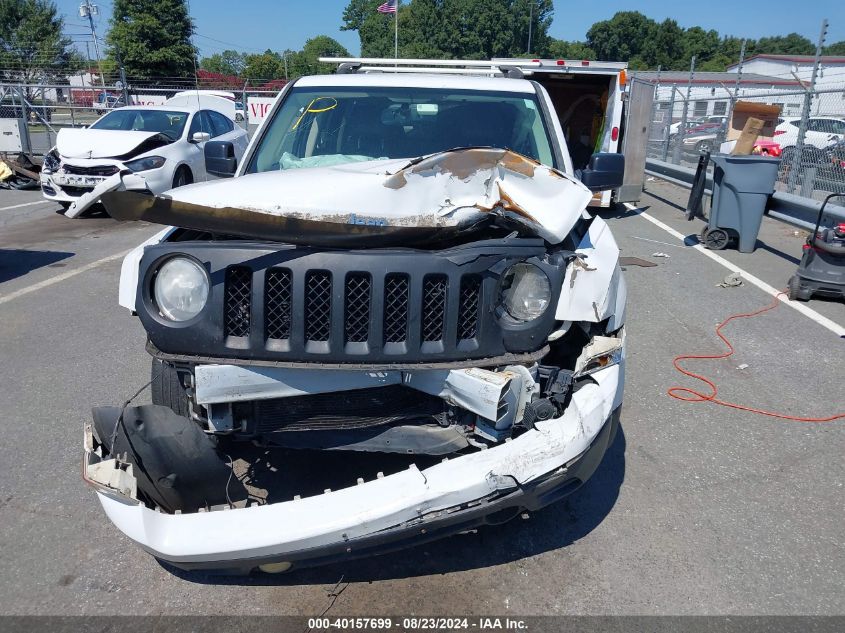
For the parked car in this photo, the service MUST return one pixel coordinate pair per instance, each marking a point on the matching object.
(106, 102)
(821, 133)
(149, 148)
(704, 137)
(381, 276)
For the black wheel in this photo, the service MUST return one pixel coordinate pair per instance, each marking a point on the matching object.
(716, 239)
(167, 389)
(239, 117)
(182, 177)
(794, 290)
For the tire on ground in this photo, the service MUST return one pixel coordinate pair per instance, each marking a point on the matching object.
(167, 389)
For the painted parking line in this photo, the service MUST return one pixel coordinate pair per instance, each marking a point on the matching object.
(25, 204)
(756, 281)
(59, 278)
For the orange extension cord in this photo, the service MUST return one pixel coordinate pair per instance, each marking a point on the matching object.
(696, 396)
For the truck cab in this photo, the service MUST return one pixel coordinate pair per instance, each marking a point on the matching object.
(403, 275)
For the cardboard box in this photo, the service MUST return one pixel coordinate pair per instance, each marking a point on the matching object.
(744, 110)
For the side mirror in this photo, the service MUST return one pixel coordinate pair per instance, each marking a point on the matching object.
(605, 171)
(220, 159)
(200, 137)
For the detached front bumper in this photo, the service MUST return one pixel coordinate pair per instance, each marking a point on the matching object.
(489, 486)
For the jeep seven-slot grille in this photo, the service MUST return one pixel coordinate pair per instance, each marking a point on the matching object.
(434, 308)
(396, 308)
(357, 306)
(468, 312)
(299, 307)
(278, 303)
(238, 300)
(318, 305)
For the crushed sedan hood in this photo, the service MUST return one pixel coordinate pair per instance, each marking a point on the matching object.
(428, 199)
(88, 143)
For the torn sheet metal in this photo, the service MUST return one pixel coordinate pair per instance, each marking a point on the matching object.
(593, 279)
(122, 181)
(478, 390)
(93, 143)
(395, 201)
(357, 511)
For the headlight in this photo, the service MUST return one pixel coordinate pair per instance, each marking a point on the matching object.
(51, 162)
(144, 164)
(180, 289)
(525, 292)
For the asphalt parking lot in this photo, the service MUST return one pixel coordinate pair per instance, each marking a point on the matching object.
(696, 509)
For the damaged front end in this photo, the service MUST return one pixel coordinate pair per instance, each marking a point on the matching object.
(467, 368)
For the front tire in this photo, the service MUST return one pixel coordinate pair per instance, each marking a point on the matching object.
(182, 177)
(167, 388)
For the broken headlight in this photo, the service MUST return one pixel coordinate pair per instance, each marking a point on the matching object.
(180, 289)
(525, 292)
(145, 164)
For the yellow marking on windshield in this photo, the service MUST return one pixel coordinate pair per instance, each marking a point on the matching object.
(312, 110)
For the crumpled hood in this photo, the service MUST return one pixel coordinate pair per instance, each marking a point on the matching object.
(441, 194)
(88, 143)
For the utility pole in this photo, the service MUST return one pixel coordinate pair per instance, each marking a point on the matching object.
(88, 10)
(530, 23)
(805, 113)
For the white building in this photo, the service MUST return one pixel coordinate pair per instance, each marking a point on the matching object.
(830, 81)
(710, 92)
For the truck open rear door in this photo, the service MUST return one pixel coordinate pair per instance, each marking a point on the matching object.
(638, 111)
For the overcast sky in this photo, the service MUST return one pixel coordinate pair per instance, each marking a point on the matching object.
(256, 25)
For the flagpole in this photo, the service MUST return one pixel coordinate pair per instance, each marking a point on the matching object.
(396, 33)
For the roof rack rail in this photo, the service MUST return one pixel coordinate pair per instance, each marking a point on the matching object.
(514, 69)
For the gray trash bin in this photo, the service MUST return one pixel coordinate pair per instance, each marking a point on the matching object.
(741, 188)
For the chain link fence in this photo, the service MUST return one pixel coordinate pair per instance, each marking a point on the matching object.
(809, 140)
(46, 109)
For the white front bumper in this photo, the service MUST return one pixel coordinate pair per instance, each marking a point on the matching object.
(278, 529)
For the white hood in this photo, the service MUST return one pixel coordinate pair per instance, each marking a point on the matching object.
(457, 189)
(88, 143)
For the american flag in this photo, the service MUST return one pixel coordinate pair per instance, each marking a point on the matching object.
(388, 7)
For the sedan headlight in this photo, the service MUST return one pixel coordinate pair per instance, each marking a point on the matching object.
(145, 164)
(180, 289)
(525, 292)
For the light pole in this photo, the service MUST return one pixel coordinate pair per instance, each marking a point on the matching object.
(530, 23)
(88, 10)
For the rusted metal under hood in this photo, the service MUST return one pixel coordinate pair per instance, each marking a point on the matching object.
(380, 202)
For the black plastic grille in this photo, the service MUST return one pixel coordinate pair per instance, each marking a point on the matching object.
(278, 294)
(434, 307)
(97, 170)
(357, 311)
(468, 309)
(318, 305)
(395, 308)
(238, 300)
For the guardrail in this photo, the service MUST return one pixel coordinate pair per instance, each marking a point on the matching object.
(786, 207)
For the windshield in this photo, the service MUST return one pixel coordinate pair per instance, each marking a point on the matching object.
(328, 126)
(168, 123)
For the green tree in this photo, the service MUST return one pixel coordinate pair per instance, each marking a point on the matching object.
(472, 29)
(228, 62)
(316, 47)
(153, 38)
(32, 47)
(624, 37)
(561, 49)
(792, 44)
(264, 66)
(837, 48)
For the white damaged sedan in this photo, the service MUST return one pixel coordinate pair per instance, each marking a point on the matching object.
(140, 148)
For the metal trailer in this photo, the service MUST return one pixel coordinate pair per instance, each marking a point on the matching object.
(622, 118)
